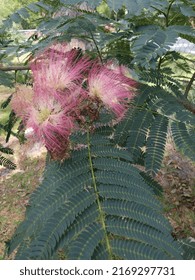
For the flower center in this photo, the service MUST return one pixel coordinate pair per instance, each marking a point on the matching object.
(43, 114)
(95, 92)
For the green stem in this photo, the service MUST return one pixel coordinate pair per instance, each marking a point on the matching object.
(97, 48)
(102, 215)
(15, 68)
(189, 85)
(158, 70)
(168, 11)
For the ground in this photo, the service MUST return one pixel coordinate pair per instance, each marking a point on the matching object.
(17, 185)
(177, 176)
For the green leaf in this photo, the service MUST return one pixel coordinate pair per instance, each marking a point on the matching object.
(6, 150)
(152, 44)
(104, 9)
(183, 140)
(15, 17)
(135, 7)
(139, 251)
(33, 7)
(80, 200)
(23, 13)
(187, 11)
(6, 79)
(7, 163)
(84, 245)
(155, 145)
(182, 30)
(5, 103)
(188, 246)
(138, 131)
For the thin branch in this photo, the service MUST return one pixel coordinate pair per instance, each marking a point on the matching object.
(189, 86)
(158, 71)
(14, 68)
(187, 105)
(168, 11)
(97, 48)
(101, 212)
(158, 10)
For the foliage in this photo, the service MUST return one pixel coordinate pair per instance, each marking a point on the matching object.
(9, 7)
(104, 214)
(4, 161)
(188, 245)
(101, 208)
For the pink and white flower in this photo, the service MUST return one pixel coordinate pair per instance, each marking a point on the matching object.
(67, 91)
(110, 87)
(59, 70)
(21, 101)
(52, 123)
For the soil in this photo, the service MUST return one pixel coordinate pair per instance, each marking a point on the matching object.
(178, 180)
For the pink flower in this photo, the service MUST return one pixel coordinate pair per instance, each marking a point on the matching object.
(52, 123)
(21, 101)
(50, 120)
(68, 91)
(111, 88)
(59, 70)
(123, 75)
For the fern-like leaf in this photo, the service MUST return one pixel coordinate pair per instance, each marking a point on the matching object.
(188, 246)
(138, 131)
(7, 163)
(79, 202)
(183, 139)
(155, 146)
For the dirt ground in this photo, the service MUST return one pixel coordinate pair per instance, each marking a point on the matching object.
(17, 185)
(177, 176)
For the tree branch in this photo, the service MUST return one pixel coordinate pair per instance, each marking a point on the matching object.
(14, 68)
(189, 86)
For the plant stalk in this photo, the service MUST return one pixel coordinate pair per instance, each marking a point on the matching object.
(97, 48)
(14, 68)
(97, 197)
(189, 86)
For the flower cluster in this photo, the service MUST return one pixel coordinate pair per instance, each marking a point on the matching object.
(68, 90)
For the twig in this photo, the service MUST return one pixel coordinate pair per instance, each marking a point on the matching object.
(14, 68)
(97, 48)
(189, 86)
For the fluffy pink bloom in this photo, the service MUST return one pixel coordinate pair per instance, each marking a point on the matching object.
(50, 120)
(21, 101)
(67, 91)
(59, 70)
(52, 109)
(52, 123)
(123, 75)
(111, 88)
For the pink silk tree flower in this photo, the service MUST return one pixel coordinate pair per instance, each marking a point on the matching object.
(49, 121)
(110, 88)
(123, 75)
(22, 101)
(58, 70)
(52, 124)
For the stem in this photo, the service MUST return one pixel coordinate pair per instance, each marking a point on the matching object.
(168, 11)
(97, 197)
(14, 68)
(188, 105)
(159, 65)
(189, 85)
(158, 10)
(99, 53)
